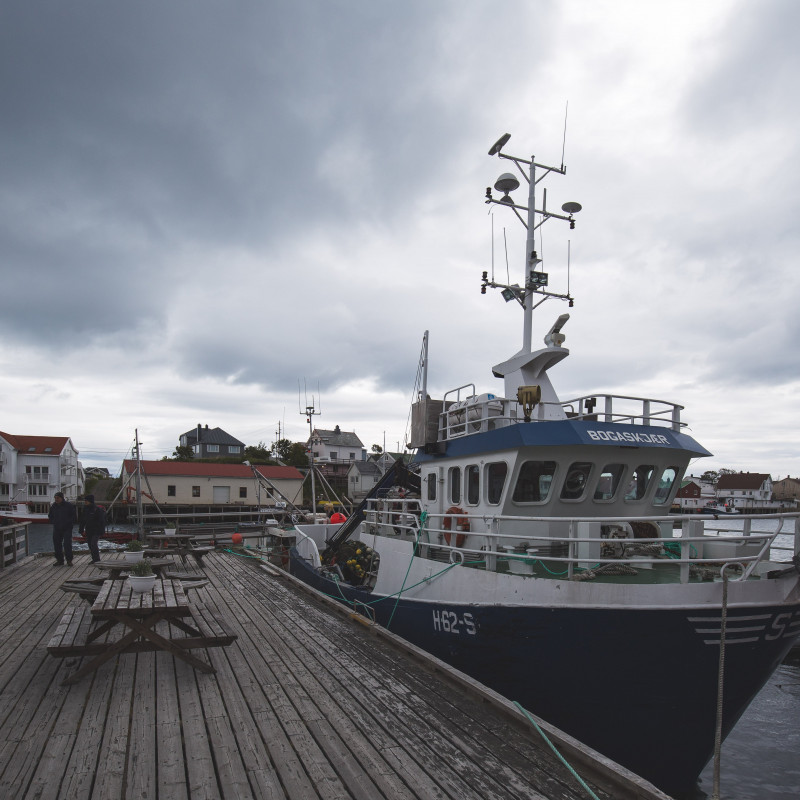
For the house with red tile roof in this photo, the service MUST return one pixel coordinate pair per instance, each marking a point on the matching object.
(190, 483)
(34, 468)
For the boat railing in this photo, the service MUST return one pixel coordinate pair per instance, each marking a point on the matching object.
(572, 547)
(471, 414)
(608, 408)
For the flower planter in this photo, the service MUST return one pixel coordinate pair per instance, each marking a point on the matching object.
(132, 556)
(140, 584)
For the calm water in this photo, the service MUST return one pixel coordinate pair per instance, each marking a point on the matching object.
(761, 757)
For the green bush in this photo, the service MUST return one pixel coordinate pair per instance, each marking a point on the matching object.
(134, 546)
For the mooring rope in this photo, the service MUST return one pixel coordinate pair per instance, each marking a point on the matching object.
(553, 748)
(720, 685)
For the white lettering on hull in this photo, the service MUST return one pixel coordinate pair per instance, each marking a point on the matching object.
(626, 437)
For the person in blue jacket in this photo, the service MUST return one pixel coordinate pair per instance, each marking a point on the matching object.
(62, 515)
(93, 523)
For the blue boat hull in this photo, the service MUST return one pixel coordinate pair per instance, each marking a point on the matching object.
(639, 686)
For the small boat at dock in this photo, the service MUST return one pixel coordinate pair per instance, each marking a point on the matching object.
(531, 546)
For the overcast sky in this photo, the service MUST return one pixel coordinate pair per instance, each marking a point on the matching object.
(205, 205)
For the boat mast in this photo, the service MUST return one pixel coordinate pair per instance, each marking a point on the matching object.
(535, 281)
(531, 261)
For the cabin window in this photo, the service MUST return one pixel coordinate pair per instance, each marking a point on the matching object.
(171, 490)
(640, 481)
(534, 481)
(668, 477)
(473, 481)
(609, 480)
(455, 485)
(431, 481)
(495, 481)
(576, 480)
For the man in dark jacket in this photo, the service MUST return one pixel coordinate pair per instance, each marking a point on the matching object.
(93, 522)
(62, 515)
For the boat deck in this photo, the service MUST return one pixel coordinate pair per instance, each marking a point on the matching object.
(306, 703)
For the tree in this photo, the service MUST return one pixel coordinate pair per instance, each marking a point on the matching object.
(377, 449)
(296, 456)
(257, 454)
(183, 452)
(282, 449)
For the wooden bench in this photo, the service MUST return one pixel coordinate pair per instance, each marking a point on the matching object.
(86, 589)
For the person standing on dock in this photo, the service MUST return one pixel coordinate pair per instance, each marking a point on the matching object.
(62, 515)
(93, 522)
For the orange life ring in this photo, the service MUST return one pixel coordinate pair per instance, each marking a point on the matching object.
(462, 525)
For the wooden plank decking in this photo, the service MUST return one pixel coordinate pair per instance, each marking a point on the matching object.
(306, 703)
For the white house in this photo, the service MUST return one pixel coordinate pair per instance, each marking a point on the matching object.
(34, 468)
(361, 478)
(745, 491)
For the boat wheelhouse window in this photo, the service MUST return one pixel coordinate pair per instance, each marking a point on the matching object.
(495, 481)
(640, 480)
(431, 480)
(664, 488)
(455, 485)
(608, 483)
(576, 480)
(473, 478)
(534, 481)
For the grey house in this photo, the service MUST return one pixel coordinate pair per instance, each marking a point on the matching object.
(211, 443)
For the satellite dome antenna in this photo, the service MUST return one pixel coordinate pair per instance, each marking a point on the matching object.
(506, 183)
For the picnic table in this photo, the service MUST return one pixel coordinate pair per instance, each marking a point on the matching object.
(122, 621)
(116, 568)
(181, 544)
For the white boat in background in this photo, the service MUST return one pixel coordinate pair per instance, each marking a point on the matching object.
(534, 550)
(19, 512)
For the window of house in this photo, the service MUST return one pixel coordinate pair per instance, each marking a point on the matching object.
(212, 448)
(640, 481)
(171, 490)
(431, 482)
(3, 488)
(234, 448)
(195, 491)
(196, 449)
(352, 456)
(495, 481)
(608, 482)
(38, 473)
(334, 455)
(36, 490)
(665, 485)
(534, 481)
(472, 478)
(242, 491)
(454, 475)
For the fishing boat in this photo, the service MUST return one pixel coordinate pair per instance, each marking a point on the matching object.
(531, 546)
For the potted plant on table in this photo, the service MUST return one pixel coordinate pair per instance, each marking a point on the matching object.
(141, 576)
(133, 551)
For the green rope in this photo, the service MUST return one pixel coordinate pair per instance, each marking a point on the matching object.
(423, 519)
(552, 747)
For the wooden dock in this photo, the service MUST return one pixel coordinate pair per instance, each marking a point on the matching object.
(306, 703)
